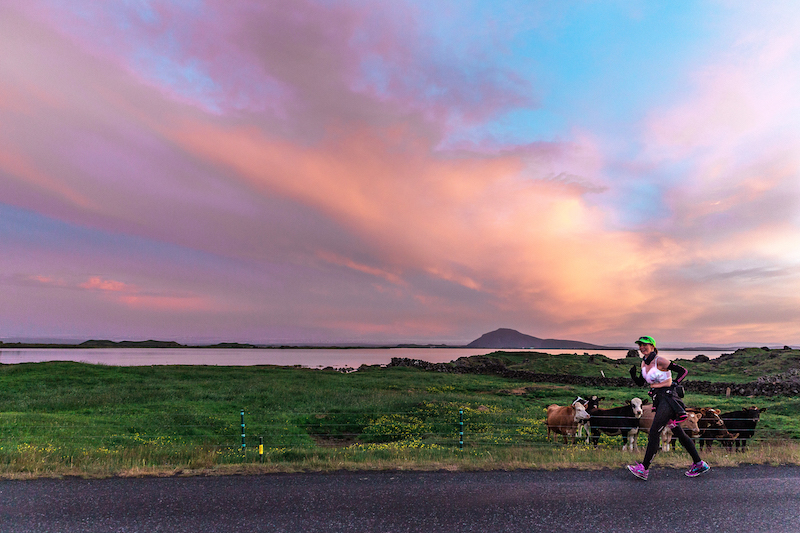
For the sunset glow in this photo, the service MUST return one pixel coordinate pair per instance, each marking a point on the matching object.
(374, 172)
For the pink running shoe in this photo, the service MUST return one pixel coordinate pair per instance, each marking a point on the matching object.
(697, 469)
(640, 471)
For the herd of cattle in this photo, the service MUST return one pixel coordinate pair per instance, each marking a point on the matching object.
(706, 424)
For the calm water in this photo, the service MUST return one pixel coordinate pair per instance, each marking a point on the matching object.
(310, 358)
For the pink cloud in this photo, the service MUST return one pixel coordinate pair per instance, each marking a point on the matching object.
(168, 303)
(306, 63)
(349, 263)
(133, 297)
(735, 137)
(45, 280)
(97, 283)
(16, 166)
(430, 327)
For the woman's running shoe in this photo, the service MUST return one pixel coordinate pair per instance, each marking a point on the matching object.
(697, 469)
(640, 471)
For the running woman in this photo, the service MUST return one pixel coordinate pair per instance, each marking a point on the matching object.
(669, 410)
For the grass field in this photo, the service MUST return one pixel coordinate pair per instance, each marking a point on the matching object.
(63, 418)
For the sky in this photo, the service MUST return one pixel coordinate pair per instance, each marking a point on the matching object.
(362, 171)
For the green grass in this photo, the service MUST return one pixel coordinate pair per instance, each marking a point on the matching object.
(63, 418)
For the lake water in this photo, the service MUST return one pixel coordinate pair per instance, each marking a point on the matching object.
(310, 358)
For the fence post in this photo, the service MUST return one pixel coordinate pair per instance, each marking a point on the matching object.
(243, 445)
(460, 429)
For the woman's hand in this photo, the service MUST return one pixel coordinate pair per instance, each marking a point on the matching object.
(639, 380)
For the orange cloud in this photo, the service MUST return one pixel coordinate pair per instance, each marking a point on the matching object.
(498, 223)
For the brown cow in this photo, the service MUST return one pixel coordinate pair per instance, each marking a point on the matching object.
(563, 419)
(713, 427)
(689, 426)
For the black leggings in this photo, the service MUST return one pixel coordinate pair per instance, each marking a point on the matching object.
(664, 414)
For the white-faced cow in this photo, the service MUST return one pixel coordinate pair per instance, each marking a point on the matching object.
(622, 421)
(742, 422)
(583, 425)
(563, 419)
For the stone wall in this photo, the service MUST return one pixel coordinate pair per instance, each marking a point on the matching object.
(492, 366)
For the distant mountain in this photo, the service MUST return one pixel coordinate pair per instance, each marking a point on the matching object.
(129, 344)
(510, 338)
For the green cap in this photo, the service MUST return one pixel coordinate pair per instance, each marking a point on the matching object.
(646, 340)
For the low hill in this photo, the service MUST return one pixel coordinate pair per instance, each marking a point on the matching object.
(128, 344)
(505, 338)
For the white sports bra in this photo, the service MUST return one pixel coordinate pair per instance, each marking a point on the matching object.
(654, 375)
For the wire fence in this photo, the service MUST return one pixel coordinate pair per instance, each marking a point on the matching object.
(247, 431)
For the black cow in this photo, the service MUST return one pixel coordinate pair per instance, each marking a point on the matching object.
(743, 422)
(622, 421)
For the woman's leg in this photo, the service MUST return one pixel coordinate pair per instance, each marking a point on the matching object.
(660, 420)
(687, 443)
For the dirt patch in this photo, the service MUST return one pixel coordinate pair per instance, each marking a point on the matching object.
(521, 391)
(333, 442)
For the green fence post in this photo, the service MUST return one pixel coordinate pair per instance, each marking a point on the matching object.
(460, 429)
(243, 445)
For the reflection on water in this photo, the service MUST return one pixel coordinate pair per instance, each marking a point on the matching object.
(311, 358)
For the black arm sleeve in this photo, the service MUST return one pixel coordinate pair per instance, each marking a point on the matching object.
(682, 372)
(639, 380)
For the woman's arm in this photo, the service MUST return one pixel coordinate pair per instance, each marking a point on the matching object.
(679, 370)
(665, 364)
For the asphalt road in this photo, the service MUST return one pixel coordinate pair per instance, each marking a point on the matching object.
(743, 499)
